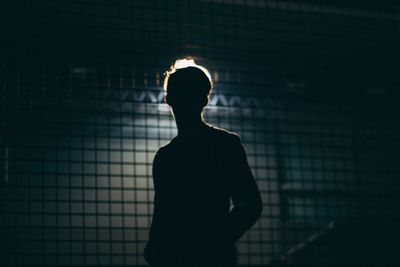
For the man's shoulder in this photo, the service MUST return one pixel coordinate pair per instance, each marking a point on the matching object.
(162, 150)
(168, 149)
(225, 135)
(220, 135)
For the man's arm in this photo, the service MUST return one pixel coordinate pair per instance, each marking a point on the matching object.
(247, 203)
(151, 246)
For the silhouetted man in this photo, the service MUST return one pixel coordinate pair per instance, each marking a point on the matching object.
(195, 177)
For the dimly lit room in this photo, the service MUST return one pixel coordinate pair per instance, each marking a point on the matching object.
(307, 90)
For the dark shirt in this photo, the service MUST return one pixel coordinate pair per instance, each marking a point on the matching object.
(195, 176)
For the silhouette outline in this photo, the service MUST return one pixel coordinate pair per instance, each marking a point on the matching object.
(195, 176)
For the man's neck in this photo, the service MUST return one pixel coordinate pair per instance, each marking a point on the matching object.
(189, 126)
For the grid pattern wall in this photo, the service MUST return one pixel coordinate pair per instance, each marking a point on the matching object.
(310, 88)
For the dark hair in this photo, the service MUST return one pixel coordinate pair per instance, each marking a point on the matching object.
(187, 84)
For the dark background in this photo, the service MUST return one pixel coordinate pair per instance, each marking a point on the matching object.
(312, 87)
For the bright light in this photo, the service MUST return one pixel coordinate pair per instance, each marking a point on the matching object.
(184, 63)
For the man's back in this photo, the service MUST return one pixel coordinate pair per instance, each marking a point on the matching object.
(195, 175)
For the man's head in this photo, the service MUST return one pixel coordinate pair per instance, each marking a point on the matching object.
(188, 86)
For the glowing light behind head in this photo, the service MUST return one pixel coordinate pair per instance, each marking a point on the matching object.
(184, 63)
(181, 64)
